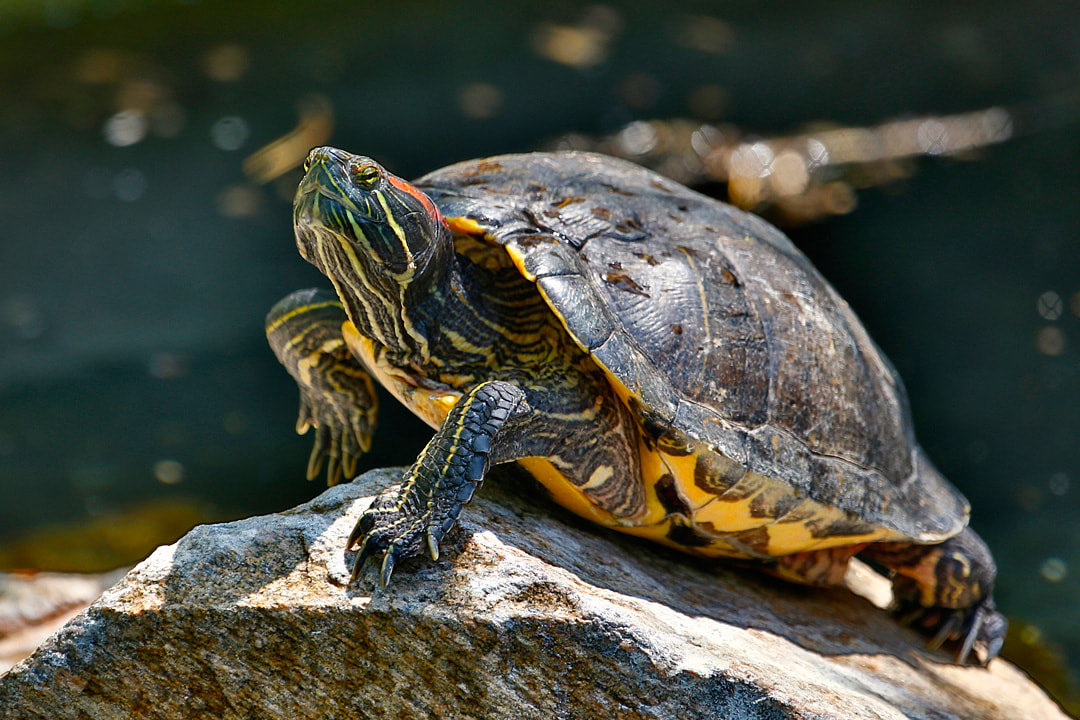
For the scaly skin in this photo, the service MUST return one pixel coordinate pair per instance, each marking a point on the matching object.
(337, 396)
(445, 476)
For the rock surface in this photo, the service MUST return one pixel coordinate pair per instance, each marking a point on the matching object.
(528, 614)
(35, 605)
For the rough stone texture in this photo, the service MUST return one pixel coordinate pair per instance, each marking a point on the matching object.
(529, 614)
(34, 606)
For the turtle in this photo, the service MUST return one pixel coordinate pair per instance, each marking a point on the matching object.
(662, 363)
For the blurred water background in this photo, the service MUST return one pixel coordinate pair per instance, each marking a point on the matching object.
(148, 155)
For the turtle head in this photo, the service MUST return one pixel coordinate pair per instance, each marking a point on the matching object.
(379, 240)
(348, 205)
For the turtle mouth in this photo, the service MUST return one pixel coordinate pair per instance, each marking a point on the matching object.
(322, 219)
(325, 200)
(324, 178)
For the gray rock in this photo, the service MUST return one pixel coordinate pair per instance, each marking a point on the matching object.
(529, 613)
(34, 606)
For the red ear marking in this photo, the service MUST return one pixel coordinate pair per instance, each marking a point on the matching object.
(424, 199)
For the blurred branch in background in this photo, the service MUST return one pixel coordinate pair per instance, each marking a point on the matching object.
(287, 152)
(812, 175)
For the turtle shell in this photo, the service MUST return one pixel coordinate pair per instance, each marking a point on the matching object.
(716, 329)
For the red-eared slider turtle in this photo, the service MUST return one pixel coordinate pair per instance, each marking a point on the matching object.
(662, 363)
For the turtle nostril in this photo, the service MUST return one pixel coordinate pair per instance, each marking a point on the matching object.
(318, 155)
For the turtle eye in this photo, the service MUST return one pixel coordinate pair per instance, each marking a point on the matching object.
(366, 176)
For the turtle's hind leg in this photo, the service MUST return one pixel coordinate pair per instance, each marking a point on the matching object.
(946, 591)
(337, 396)
(823, 568)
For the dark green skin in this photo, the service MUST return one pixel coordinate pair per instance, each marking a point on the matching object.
(724, 333)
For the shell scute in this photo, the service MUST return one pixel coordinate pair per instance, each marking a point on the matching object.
(712, 326)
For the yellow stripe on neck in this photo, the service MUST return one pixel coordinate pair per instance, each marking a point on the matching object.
(430, 405)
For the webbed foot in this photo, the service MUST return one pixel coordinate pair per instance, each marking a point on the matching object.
(337, 396)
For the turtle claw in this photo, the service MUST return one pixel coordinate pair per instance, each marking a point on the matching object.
(303, 420)
(948, 628)
(975, 632)
(339, 449)
(318, 450)
(969, 639)
(386, 567)
(390, 529)
(433, 544)
(358, 562)
(342, 435)
(369, 543)
(333, 470)
(388, 562)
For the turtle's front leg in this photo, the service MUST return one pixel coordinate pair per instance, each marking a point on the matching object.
(337, 396)
(405, 520)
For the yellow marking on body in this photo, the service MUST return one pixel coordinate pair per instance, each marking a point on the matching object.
(652, 469)
(735, 514)
(300, 339)
(793, 537)
(399, 233)
(487, 254)
(312, 359)
(572, 498)
(560, 463)
(565, 492)
(354, 261)
(682, 467)
(931, 591)
(465, 226)
(493, 256)
(518, 258)
(430, 405)
(404, 279)
(598, 477)
(654, 526)
(420, 339)
(730, 515)
(361, 297)
(457, 380)
(460, 343)
(712, 514)
(279, 321)
(359, 274)
(584, 415)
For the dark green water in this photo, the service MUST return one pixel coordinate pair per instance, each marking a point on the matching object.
(137, 259)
